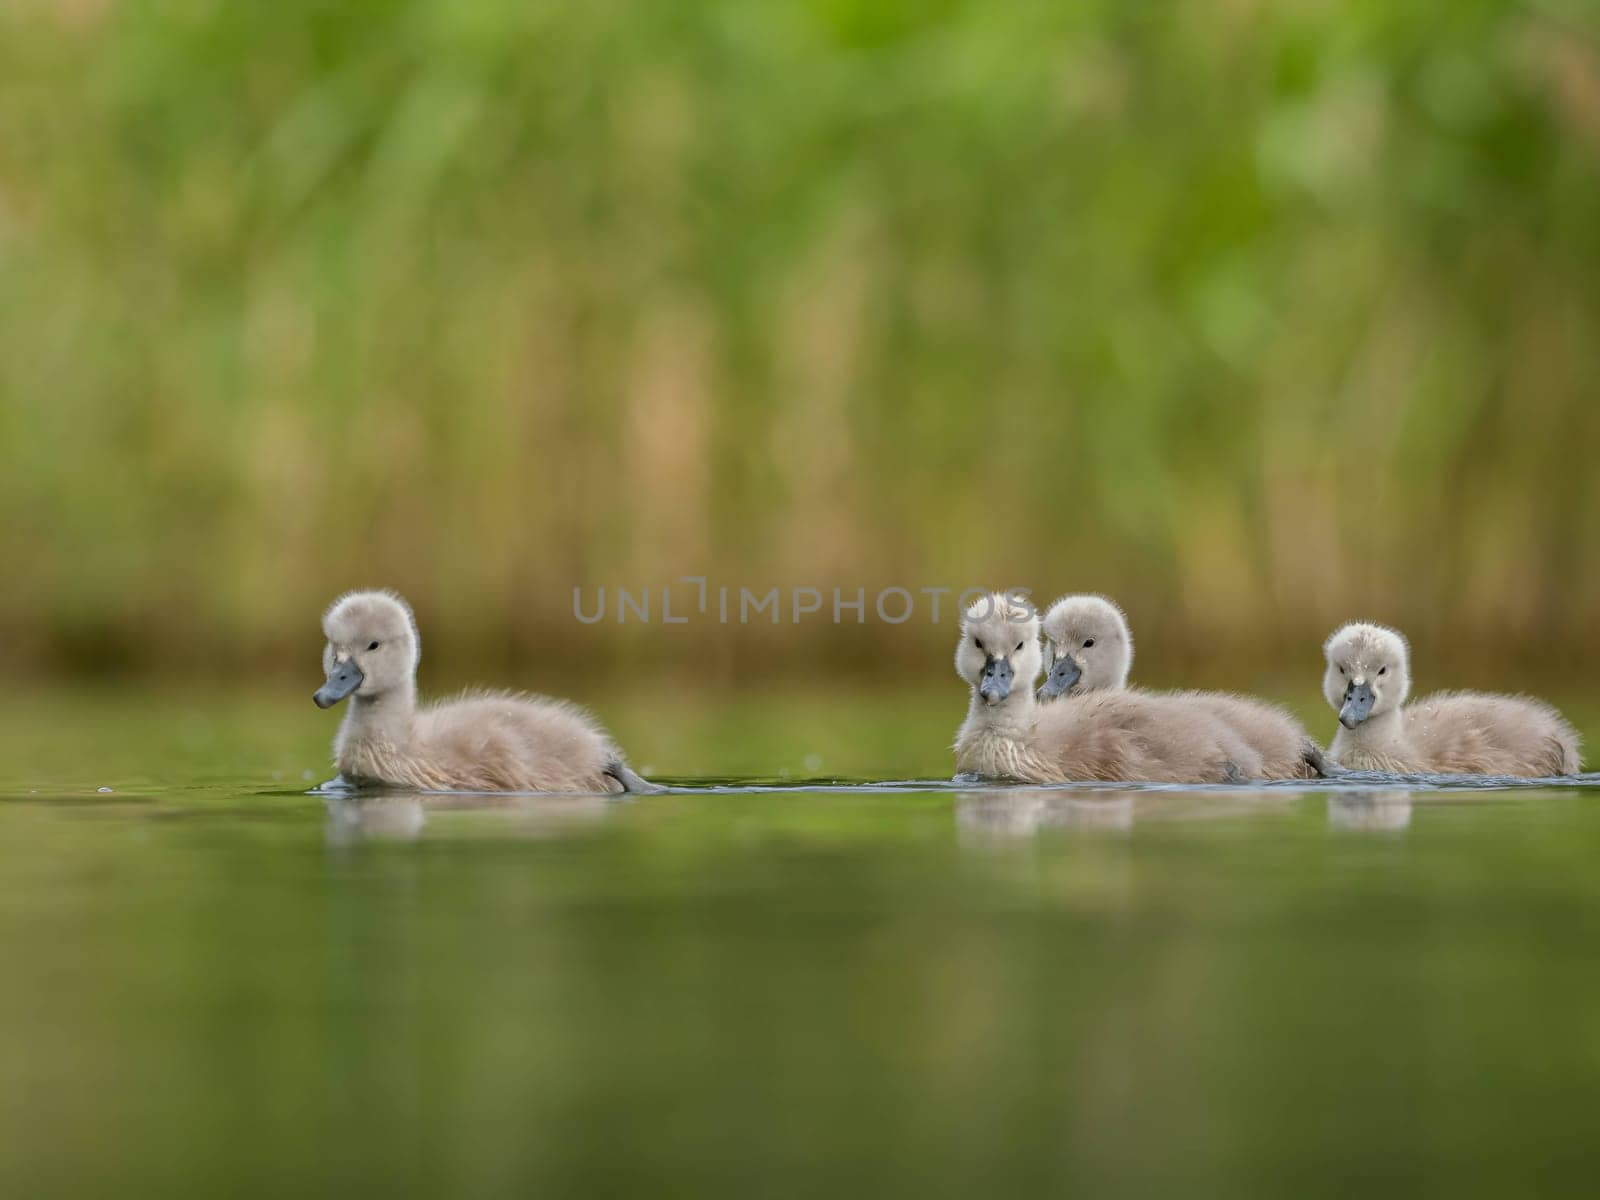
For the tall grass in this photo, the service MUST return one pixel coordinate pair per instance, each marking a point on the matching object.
(1257, 316)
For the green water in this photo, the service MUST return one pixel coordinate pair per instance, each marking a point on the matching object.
(223, 984)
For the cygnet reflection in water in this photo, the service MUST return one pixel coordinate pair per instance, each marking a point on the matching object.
(989, 816)
(1385, 811)
(1000, 816)
(394, 816)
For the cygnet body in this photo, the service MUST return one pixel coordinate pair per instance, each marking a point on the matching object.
(1101, 735)
(1367, 680)
(480, 742)
(1089, 648)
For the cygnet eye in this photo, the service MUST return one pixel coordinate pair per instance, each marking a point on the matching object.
(1019, 645)
(374, 646)
(1342, 671)
(1087, 642)
(1383, 670)
(976, 642)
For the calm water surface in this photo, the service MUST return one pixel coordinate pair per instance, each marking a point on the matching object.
(933, 991)
(219, 986)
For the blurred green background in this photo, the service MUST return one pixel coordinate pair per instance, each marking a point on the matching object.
(1257, 317)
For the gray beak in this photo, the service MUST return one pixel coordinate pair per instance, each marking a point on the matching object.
(1063, 674)
(1357, 707)
(345, 679)
(995, 684)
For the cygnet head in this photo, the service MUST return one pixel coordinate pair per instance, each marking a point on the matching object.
(372, 647)
(1087, 646)
(1369, 672)
(999, 647)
